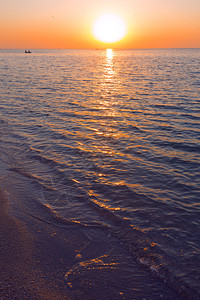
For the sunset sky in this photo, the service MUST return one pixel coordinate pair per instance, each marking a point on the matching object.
(69, 24)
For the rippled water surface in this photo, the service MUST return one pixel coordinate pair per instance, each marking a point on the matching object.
(111, 139)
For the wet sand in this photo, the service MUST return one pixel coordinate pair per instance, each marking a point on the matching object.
(22, 275)
(42, 258)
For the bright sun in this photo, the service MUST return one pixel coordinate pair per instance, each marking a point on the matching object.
(109, 28)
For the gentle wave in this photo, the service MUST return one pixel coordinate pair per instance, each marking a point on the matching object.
(112, 144)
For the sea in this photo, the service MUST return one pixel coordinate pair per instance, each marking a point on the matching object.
(108, 142)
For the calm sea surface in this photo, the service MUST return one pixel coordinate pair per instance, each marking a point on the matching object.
(110, 140)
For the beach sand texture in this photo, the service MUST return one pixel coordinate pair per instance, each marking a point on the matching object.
(21, 274)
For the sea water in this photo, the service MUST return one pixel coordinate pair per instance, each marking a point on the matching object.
(110, 139)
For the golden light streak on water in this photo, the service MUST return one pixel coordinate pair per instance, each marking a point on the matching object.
(109, 54)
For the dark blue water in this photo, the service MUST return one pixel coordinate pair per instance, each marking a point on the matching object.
(110, 140)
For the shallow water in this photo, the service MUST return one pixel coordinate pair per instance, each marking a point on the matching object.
(110, 140)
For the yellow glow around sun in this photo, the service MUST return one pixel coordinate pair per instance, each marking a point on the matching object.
(109, 28)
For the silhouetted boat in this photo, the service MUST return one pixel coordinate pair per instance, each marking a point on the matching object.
(27, 51)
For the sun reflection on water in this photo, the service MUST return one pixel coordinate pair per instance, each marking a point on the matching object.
(108, 79)
(109, 54)
(107, 102)
(109, 66)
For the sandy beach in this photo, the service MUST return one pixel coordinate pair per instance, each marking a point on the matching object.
(25, 255)
(21, 274)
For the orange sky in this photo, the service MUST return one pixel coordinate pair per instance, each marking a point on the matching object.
(68, 24)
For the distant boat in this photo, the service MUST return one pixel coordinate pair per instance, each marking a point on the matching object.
(27, 51)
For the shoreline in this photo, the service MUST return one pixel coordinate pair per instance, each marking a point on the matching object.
(44, 259)
(21, 276)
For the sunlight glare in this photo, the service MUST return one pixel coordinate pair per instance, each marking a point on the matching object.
(109, 53)
(109, 28)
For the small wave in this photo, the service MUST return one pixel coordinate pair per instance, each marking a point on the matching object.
(23, 172)
(166, 107)
(146, 251)
(179, 146)
(191, 116)
(43, 159)
(58, 219)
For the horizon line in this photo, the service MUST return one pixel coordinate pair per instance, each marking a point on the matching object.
(103, 48)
